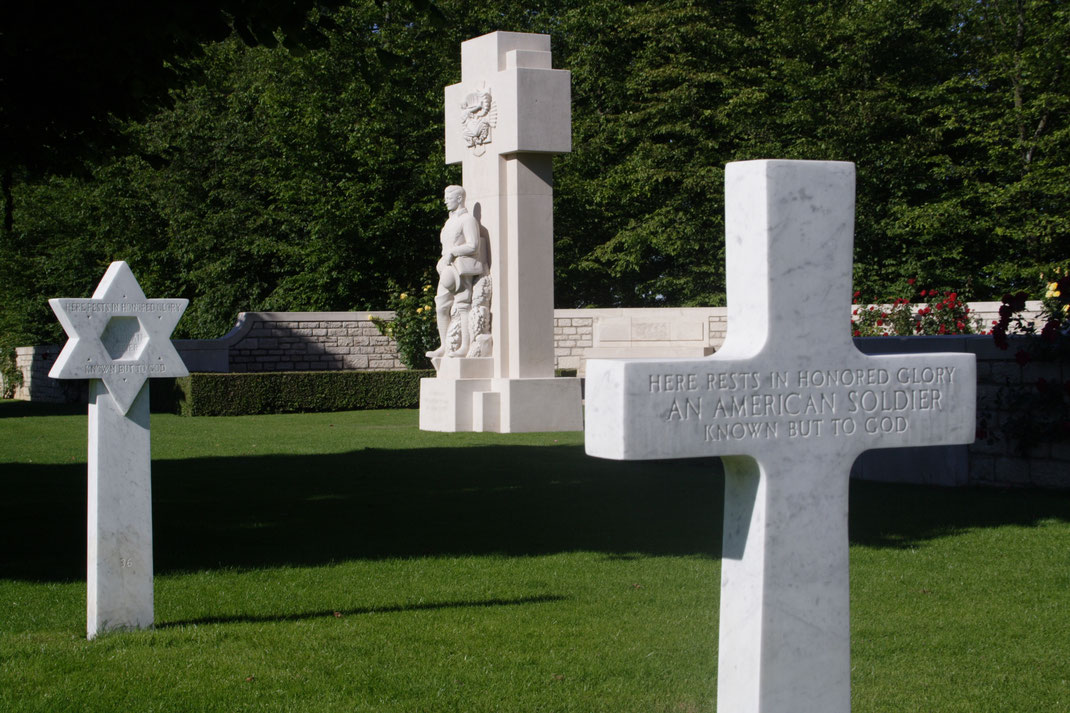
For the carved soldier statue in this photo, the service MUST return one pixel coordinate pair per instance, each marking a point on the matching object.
(462, 303)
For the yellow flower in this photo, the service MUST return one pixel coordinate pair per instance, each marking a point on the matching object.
(1056, 293)
(403, 295)
(427, 287)
(1053, 286)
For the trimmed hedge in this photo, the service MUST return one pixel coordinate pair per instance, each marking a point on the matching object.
(239, 394)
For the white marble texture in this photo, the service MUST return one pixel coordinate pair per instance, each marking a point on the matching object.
(118, 336)
(532, 103)
(789, 403)
(119, 556)
(508, 177)
(464, 291)
(118, 339)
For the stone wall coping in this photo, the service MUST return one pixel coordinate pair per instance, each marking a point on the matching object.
(1032, 307)
(636, 312)
(42, 349)
(980, 344)
(246, 320)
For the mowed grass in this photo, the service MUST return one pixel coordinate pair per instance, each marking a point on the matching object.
(350, 562)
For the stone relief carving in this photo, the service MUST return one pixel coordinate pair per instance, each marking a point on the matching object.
(462, 302)
(479, 114)
(479, 319)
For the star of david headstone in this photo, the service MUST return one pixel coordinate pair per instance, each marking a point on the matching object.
(118, 336)
(788, 403)
(118, 339)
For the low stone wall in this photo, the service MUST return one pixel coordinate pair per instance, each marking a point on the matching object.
(35, 363)
(310, 341)
(260, 341)
(281, 341)
(582, 334)
(994, 458)
(303, 341)
(987, 313)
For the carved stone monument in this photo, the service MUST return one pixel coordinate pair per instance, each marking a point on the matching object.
(788, 403)
(463, 300)
(118, 339)
(504, 122)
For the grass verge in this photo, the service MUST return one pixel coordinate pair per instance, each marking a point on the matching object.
(348, 561)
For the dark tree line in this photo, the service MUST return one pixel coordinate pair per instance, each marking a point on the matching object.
(293, 159)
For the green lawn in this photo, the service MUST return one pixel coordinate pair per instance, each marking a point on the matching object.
(350, 562)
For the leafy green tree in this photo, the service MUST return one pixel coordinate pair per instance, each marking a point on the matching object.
(1008, 118)
(639, 201)
(276, 182)
(67, 72)
(955, 114)
(273, 179)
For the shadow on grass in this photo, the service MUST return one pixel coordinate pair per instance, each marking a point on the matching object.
(267, 618)
(18, 409)
(248, 512)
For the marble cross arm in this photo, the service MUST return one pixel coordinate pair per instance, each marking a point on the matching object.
(649, 409)
(788, 373)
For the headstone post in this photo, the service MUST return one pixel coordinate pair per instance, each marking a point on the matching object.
(788, 403)
(524, 118)
(118, 339)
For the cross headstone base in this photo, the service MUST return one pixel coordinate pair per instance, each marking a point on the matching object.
(119, 552)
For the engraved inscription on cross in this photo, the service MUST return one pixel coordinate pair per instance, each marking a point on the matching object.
(788, 403)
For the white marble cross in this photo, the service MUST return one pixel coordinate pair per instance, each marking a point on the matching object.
(118, 339)
(788, 403)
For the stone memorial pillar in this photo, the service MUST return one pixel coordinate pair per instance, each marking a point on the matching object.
(788, 403)
(504, 122)
(118, 339)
